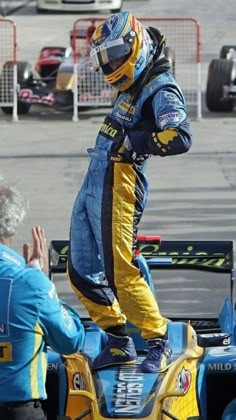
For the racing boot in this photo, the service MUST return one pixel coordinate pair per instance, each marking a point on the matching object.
(119, 350)
(159, 356)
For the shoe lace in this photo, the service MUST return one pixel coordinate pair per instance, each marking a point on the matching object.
(156, 349)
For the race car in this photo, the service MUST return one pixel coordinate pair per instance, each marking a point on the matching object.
(221, 81)
(200, 384)
(79, 6)
(52, 81)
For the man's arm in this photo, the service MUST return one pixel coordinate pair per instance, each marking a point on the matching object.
(62, 327)
(172, 135)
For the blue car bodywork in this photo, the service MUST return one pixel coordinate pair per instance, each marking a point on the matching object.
(201, 382)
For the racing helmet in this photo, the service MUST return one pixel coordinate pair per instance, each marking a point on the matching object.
(122, 48)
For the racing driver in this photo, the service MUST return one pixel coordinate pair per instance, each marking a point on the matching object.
(148, 118)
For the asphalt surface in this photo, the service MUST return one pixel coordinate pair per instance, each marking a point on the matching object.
(192, 196)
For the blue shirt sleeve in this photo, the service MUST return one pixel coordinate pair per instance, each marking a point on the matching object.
(63, 329)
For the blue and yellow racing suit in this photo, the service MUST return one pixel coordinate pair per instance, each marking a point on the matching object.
(31, 316)
(110, 204)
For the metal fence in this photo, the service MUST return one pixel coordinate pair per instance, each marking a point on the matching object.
(183, 49)
(8, 67)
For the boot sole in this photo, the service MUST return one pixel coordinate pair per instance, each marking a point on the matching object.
(159, 371)
(131, 362)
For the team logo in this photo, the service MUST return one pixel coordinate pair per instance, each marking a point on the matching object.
(183, 380)
(117, 352)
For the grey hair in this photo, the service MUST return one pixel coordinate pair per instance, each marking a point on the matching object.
(13, 208)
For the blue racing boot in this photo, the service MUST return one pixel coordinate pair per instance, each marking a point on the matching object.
(159, 356)
(118, 350)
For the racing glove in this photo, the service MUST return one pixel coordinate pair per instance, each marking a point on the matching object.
(171, 141)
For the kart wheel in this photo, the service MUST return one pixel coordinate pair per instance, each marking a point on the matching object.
(220, 74)
(24, 73)
(225, 49)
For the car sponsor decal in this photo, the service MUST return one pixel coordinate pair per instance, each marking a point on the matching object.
(78, 381)
(27, 95)
(183, 381)
(125, 391)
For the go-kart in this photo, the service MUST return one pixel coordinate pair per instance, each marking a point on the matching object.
(221, 81)
(201, 382)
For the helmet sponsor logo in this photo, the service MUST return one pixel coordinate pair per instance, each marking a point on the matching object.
(121, 82)
(139, 62)
(104, 31)
(111, 23)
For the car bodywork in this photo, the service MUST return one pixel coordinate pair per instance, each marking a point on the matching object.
(63, 77)
(221, 81)
(52, 81)
(198, 385)
(79, 6)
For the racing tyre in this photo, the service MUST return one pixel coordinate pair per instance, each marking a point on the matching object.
(24, 73)
(225, 49)
(220, 74)
(42, 11)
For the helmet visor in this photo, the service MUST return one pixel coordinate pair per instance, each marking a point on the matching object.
(109, 52)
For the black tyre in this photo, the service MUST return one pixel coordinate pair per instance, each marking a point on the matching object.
(219, 75)
(225, 49)
(113, 11)
(42, 11)
(24, 73)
